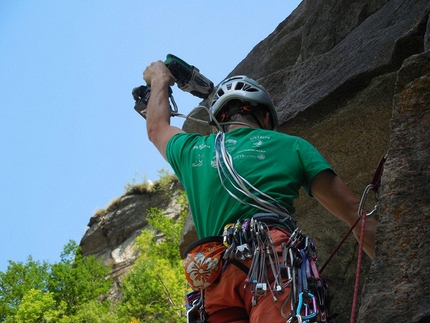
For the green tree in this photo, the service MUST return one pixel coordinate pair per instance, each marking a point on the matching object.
(60, 293)
(17, 281)
(76, 279)
(93, 311)
(154, 290)
(36, 307)
(75, 289)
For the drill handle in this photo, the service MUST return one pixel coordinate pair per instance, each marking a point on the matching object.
(141, 96)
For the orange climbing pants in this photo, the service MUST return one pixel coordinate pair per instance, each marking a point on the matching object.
(228, 300)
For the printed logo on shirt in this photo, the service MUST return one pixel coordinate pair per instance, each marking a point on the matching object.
(198, 162)
(201, 146)
(250, 156)
(258, 141)
(230, 144)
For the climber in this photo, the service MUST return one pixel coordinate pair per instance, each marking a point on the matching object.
(247, 169)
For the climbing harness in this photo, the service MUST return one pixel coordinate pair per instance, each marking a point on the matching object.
(270, 271)
(308, 290)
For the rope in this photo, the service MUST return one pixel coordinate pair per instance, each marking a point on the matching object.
(358, 271)
(374, 186)
(340, 244)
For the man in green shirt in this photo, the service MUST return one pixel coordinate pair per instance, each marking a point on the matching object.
(279, 173)
(244, 169)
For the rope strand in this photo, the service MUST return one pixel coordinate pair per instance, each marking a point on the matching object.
(358, 271)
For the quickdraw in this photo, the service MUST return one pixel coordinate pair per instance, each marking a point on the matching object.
(263, 252)
(296, 267)
(308, 290)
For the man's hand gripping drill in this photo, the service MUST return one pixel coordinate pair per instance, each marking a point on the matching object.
(187, 77)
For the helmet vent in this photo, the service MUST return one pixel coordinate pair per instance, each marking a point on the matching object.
(245, 87)
(239, 86)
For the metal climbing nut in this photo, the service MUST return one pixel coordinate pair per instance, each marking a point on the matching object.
(244, 250)
(260, 289)
(245, 230)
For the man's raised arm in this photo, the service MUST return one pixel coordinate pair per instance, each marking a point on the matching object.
(158, 111)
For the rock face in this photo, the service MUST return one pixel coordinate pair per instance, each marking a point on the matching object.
(400, 273)
(335, 72)
(111, 237)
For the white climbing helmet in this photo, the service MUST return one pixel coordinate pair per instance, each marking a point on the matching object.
(244, 89)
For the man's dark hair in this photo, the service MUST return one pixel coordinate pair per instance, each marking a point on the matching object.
(254, 117)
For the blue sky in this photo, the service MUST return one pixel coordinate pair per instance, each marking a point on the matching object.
(70, 140)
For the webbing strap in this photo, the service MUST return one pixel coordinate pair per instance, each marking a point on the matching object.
(376, 181)
(239, 265)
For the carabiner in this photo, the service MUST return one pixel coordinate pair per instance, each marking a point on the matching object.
(193, 313)
(363, 201)
(313, 311)
(296, 317)
(174, 110)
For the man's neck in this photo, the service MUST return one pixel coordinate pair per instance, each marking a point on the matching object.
(238, 126)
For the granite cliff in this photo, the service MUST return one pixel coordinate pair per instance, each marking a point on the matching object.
(353, 78)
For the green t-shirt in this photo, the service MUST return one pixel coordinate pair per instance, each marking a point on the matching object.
(275, 163)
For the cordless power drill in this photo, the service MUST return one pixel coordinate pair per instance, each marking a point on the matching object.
(188, 79)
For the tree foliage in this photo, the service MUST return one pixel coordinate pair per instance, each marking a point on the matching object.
(35, 292)
(154, 290)
(36, 306)
(17, 281)
(76, 280)
(74, 290)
